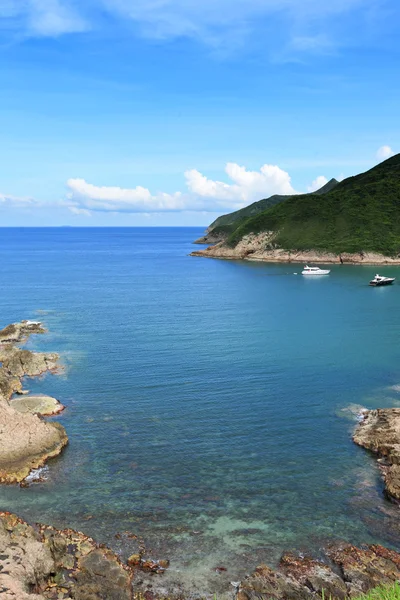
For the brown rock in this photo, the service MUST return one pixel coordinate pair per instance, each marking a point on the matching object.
(26, 443)
(19, 362)
(380, 432)
(347, 572)
(44, 563)
(134, 560)
(20, 332)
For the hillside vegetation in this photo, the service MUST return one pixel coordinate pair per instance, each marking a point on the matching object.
(361, 213)
(226, 222)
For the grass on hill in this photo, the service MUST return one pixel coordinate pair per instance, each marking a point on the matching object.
(362, 213)
(391, 592)
(232, 219)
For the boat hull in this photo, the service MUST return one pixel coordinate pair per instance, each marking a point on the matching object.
(307, 274)
(380, 283)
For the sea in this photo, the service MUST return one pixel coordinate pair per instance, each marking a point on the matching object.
(210, 404)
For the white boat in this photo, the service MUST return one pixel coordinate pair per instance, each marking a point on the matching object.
(380, 280)
(314, 271)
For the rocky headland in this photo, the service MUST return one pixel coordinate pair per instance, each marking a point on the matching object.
(255, 247)
(342, 225)
(27, 441)
(379, 431)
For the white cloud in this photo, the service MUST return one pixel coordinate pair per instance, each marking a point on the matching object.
(215, 22)
(317, 184)
(202, 194)
(54, 17)
(42, 18)
(80, 211)
(384, 152)
(7, 201)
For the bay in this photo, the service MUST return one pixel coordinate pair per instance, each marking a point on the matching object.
(210, 403)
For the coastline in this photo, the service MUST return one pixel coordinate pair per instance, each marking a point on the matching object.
(379, 432)
(27, 440)
(54, 564)
(252, 248)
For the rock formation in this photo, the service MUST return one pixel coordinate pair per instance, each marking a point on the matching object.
(346, 572)
(257, 247)
(46, 406)
(379, 431)
(38, 563)
(26, 440)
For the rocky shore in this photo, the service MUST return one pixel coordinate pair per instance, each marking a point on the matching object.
(38, 563)
(379, 431)
(27, 441)
(345, 572)
(255, 247)
(43, 563)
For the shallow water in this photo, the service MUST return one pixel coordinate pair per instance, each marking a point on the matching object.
(207, 401)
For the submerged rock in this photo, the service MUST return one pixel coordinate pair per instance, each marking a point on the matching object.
(347, 572)
(45, 563)
(379, 432)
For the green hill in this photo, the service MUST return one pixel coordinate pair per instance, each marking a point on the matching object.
(361, 213)
(224, 222)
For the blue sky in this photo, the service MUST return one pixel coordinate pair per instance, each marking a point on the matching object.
(170, 112)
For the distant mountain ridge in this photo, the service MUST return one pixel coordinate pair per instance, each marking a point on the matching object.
(257, 207)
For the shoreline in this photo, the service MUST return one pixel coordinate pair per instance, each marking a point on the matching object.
(27, 440)
(64, 564)
(252, 248)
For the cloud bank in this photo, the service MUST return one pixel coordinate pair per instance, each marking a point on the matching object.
(202, 194)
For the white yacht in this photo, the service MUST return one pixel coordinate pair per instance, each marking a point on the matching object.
(380, 280)
(314, 271)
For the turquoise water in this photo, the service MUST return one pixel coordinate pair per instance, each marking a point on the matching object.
(206, 400)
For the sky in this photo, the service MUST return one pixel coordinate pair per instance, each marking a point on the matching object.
(172, 112)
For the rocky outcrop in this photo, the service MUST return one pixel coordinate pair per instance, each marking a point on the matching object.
(20, 332)
(19, 362)
(26, 443)
(212, 237)
(46, 406)
(345, 572)
(26, 440)
(379, 431)
(38, 563)
(260, 248)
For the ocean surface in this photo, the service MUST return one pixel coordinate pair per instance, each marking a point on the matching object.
(210, 403)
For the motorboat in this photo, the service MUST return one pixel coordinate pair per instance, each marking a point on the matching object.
(380, 280)
(314, 271)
